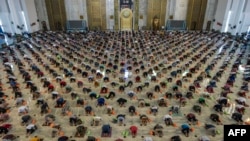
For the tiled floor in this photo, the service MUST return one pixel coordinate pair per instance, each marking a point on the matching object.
(147, 47)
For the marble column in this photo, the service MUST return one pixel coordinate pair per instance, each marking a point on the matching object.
(181, 10)
(143, 4)
(85, 11)
(136, 14)
(110, 14)
(42, 12)
(210, 12)
(30, 15)
(6, 18)
(17, 16)
(171, 5)
(221, 15)
(116, 14)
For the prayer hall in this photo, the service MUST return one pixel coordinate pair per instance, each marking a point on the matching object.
(120, 70)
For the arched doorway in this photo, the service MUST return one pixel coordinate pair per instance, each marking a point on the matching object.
(126, 19)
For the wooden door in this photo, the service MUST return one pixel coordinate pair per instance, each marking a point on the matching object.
(156, 8)
(56, 14)
(96, 14)
(196, 13)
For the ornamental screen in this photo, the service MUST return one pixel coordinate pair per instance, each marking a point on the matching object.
(176, 25)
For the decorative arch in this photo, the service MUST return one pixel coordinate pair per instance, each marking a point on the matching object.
(126, 16)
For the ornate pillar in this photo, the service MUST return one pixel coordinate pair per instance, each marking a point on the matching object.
(136, 14)
(116, 14)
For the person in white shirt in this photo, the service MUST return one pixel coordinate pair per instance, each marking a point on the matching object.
(72, 79)
(58, 78)
(240, 108)
(242, 101)
(131, 94)
(19, 101)
(43, 78)
(23, 109)
(204, 138)
(54, 94)
(96, 120)
(148, 139)
(168, 119)
(31, 128)
(223, 101)
(167, 116)
(161, 98)
(154, 109)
